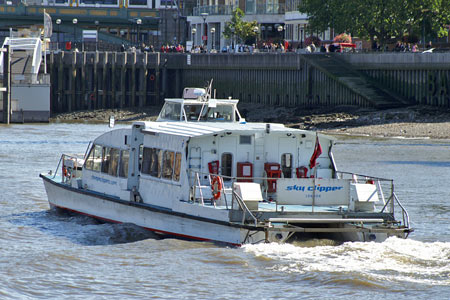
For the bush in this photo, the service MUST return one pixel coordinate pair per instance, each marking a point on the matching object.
(342, 38)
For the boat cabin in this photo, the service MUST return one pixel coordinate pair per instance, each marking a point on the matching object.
(197, 106)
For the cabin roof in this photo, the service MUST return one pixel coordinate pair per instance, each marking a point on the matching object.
(205, 129)
(197, 101)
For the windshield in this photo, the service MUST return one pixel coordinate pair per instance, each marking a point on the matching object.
(202, 113)
(170, 111)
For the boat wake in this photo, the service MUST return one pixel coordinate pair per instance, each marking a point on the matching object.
(83, 230)
(374, 264)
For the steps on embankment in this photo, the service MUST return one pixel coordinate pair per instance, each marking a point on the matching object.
(357, 81)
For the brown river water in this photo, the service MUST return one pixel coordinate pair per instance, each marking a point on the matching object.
(48, 255)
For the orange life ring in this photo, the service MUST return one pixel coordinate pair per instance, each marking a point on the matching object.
(216, 186)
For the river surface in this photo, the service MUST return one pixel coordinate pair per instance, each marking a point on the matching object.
(49, 255)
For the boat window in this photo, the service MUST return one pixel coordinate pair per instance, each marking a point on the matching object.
(123, 167)
(220, 113)
(176, 173)
(171, 111)
(106, 160)
(168, 160)
(114, 161)
(286, 165)
(151, 162)
(94, 159)
(192, 112)
(245, 139)
(227, 165)
(141, 151)
(155, 169)
(146, 160)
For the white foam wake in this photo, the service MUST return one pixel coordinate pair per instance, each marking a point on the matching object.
(393, 260)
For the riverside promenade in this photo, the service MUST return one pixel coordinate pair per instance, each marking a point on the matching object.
(104, 80)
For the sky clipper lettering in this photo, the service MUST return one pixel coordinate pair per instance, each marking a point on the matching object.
(310, 188)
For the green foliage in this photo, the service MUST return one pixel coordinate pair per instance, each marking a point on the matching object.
(239, 28)
(379, 19)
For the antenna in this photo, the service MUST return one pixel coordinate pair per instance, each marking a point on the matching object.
(208, 91)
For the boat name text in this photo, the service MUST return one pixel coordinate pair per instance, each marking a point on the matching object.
(311, 188)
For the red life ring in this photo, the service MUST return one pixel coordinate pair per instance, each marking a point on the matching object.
(92, 97)
(152, 77)
(216, 186)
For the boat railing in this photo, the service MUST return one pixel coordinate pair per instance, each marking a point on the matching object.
(235, 196)
(67, 175)
(244, 208)
(392, 201)
(384, 189)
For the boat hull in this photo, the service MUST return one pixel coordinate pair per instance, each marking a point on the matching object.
(158, 220)
(172, 223)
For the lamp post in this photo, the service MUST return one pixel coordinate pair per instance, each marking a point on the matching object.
(204, 31)
(255, 30)
(280, 29)
(74, 21)
(263, 28)
(193, 31)
(232, 39)
(138, 24)
(213, 30)
(97, 23)
(175, 19)
(58, 22)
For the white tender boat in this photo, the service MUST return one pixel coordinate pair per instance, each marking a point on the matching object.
(201, 172)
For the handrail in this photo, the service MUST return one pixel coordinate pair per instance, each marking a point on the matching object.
(366, 176)
(57, 167)
(244, 208)
(405, 214)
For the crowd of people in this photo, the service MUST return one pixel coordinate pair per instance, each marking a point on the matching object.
(281, 47)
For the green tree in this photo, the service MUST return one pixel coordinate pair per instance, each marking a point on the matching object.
(238, 28)
(381, 19)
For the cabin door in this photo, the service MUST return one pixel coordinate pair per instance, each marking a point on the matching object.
(227, 156)
(287, 155)
(194, 162)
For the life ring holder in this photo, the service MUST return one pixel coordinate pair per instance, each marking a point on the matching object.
(216, 187)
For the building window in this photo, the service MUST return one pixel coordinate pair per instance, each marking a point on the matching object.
(138, 2)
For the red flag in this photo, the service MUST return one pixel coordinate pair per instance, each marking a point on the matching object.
(316, 154)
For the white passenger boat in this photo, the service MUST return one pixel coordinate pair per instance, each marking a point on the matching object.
(202, 172)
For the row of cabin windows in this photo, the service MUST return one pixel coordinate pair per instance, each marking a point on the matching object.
(227, 165)
(108, 160)
(161, 163)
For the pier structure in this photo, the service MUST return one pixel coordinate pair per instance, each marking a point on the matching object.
(97, 80)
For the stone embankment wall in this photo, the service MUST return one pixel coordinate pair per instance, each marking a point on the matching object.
(421, 78)
(94, 80)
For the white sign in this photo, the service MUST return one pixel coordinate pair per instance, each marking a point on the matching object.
(90, 35)
(302, 191)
